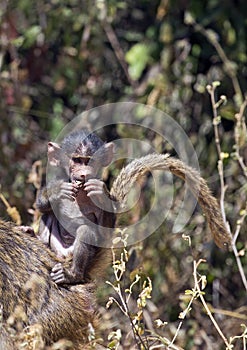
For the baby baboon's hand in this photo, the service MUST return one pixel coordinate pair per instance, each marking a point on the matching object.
(69, 190)
(96, 190)
(62, 190)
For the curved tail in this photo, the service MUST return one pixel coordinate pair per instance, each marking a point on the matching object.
(198, 186)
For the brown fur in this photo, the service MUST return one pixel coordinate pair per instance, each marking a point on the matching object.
(196, 183)
(25, 265)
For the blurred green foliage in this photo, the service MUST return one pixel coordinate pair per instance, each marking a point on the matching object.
(61, 57)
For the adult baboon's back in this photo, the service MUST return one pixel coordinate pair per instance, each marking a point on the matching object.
(25, 265)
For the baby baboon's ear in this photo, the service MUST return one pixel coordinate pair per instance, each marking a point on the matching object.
(54, 153)
(108, 153)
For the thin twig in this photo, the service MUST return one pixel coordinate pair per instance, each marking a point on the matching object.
(216, 121)
(117, 50)
(235, 251)
(240, 127)
(228, 66)
(119, 269)
(197, 288)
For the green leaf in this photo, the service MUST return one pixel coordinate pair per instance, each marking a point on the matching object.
(31, 35)
(137, 58)
(18, 42)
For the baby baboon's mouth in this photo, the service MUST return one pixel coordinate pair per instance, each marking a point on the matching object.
(79, 183)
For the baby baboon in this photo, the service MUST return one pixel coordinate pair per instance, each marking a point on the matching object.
(78, 224)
